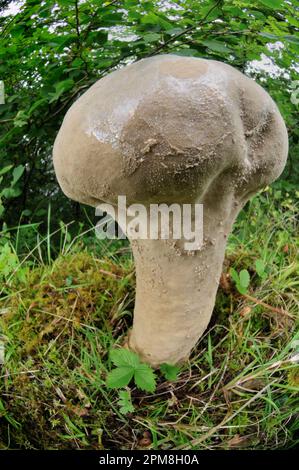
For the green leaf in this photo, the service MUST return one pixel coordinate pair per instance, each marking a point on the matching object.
(21, 119)
(153, 19)
(69, 281)
(293, 39)
(209, 13)
(273, 4)
(186, 52)
(10, 193)
(129, 366)
(241, 289)
(125, 402)
(174, 31)
(170, 372)
(260, 267)
(26, 212)
(244, 278)
(36, 105)
(16, 174)
(123, 358)
(269, 36)
(234, 275)
(216, 46)
(119, 377)
(275, 37)
(241, 280)
(60, 88)
(5, 169)
(145, 378)
(151, 37)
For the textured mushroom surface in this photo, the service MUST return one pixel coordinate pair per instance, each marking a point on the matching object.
(173, 129)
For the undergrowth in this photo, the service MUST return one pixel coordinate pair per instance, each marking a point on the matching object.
(62, 314)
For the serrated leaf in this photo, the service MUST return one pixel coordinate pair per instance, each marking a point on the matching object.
(123, 358)
(169, 371)
(244, 278)
(145, 378)
(129, 366)
(119, 377)
(125, 402)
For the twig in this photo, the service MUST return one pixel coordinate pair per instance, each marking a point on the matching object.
(187, 30)
(267, 306)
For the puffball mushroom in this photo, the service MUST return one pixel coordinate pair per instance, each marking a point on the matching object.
(172, 129)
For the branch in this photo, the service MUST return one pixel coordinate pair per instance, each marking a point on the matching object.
(77, 21)
(187, 30)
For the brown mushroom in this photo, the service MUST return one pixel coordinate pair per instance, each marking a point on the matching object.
(173, 129)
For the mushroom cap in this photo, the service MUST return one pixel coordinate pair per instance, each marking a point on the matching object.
(164, 128)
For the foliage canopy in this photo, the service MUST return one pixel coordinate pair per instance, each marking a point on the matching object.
(52, 51)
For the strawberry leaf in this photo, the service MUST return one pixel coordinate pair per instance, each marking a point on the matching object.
(124, 358)
(170, 372)
(125, 402)
(145, 378)
(119, 377)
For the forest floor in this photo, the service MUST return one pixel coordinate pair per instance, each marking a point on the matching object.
(61, 315)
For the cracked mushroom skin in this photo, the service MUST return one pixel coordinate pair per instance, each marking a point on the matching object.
(171, 129)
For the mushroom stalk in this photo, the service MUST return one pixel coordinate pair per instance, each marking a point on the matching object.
(176, 289)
